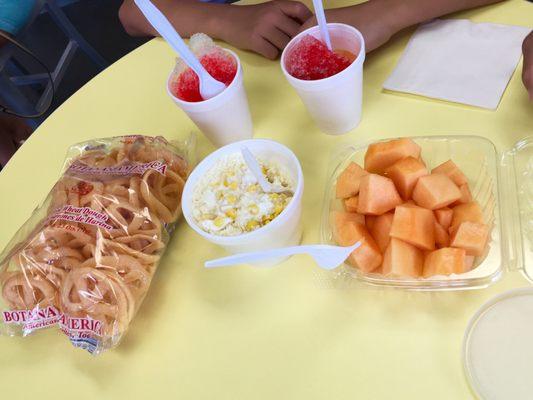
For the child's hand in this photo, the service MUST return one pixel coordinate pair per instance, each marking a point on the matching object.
(527, 69)
(265, 28)
(367, 17)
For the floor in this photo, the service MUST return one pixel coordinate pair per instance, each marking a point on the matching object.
(97, 21)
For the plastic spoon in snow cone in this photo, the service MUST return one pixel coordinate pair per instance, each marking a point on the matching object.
(326, 256)
(209, 86)
(322, 24)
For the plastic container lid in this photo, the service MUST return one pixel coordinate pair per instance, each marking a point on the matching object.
(498, 347)
(498, 343)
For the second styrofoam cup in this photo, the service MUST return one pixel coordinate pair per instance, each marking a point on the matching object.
(224, 118)
(335, 102)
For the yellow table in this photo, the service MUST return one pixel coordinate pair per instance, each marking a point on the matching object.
(246, 333)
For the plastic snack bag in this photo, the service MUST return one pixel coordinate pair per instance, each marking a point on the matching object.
(84, 260)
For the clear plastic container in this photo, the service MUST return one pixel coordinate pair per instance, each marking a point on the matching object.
(501, 183)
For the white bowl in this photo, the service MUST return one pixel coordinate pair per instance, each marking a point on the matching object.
(284, 230)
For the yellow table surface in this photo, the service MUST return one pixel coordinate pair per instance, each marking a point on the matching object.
(243, 333)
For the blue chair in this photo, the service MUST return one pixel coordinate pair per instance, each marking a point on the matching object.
(13, 76)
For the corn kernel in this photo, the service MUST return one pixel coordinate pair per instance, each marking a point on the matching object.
(252, 188)
(251, 225)
(219, 221)
(254, 209)
(232, 199)
(231, 213)
(274, 196)
(233, 185)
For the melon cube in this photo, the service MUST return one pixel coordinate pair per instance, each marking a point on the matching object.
(435, 191)
(350, 204)
(348, 181)
(452, 171)
(442, 239)
(469, 263)
(405, 174)
(341, 217)
(402, 259)
(367, 257)
(444, 261)
(414, 225)
(470, 212)
(382, 155)
(444, 216)
(466, 195)
(370, 220)
(472, 237)
(380, 230)
(377, 195)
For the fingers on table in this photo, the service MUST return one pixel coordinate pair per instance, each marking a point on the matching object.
(295, 10)
(264, 47)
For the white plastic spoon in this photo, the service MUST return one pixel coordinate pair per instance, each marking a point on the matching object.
(322, 24)
(209, 86)
(257, 172)
(326, 256)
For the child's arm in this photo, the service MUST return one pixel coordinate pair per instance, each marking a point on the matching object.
(265, 28)
(527, 68)
(378, 20)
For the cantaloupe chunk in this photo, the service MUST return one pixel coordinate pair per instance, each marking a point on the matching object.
(452, 171)
(472, 237)
(377, 195)
(402, 259)
(370, 221)
(405, 174)
(470, 212)
(444, 261)
(435, 191)
(380, 230)
(442, 239)
(466, 195)
(382, 155)
(367, 257)
(341, 217)
(350, 204)
(444, 216)
(348, 181)
(469, 263)
(414, 225)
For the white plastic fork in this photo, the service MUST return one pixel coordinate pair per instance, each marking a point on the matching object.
(209, 86)
(326, 256)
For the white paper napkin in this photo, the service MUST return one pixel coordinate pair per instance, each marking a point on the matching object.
(460, 61)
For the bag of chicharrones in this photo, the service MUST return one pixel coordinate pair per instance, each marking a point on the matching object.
(84, 260)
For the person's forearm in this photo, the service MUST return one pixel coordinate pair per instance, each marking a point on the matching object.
(187, 16)
(405, 13)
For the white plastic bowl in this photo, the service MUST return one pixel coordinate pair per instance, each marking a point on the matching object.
(284, 230)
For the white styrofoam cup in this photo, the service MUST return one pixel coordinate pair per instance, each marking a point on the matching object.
(335, 102)
(224, 118)
(284, 230)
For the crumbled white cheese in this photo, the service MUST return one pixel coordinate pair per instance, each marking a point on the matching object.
(228, 201)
